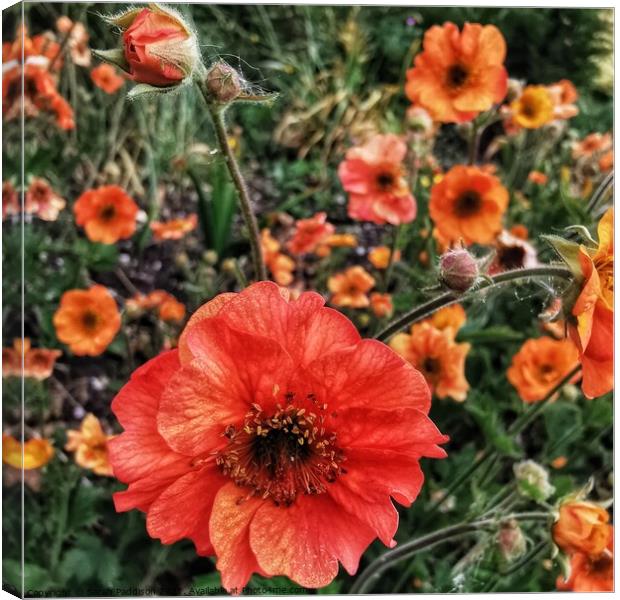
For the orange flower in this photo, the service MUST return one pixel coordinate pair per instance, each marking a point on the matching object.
(337, 240)
(468, 204)
(171, 309)
(606, 162)
(560, 462)
(520, 231)
(592, 144)
(168, 307)
(309, 233)
(537, 177)
(540, 365)
(174, 229)
(450, 319)
(36, 452)
(582, 527)
(38, 362)
(10, 201)
(590, 573)
(459, 74)
(591, 324)
(512, 252)
(42, 200)
(90, 445)
(534, 108)
(87, 320)
(435, 354)
(105, 77)
(563, 95)
(280, 265)
(381, 304)
(107, 214)
(350, 288)
(379, 257)
(375, 179)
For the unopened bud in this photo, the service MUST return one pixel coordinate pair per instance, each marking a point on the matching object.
(458, 270)
(511, 541)
(229, 265)
(210, 257)
(223, 83)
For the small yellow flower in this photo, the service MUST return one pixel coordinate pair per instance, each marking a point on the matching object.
(534, 108)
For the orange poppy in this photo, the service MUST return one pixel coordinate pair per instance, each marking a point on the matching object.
(107, 214)
(374, 177)
(87, 320)
(43, 201)
(309, 233)
(468, 204)
(534, 108)
(563, 95)
(351, 287)
(591, 573)
(36, 452)
(105, 77)
(537, 177)
(459, 74)
(379, 257)
(90, 445)
(280, 265)
(381, 304)
(539, 365)
(174, 229)
(591, 323)
(436, 355)
(449, 318)
(582, 526)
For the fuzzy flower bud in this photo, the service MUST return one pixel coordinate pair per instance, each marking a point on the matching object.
(223, 83)
(458, 270)
(533, 480)
(511, 541)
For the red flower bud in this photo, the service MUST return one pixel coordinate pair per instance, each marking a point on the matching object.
(458, 270)
(223, 83)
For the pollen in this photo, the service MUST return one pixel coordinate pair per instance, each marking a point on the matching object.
(281, 455)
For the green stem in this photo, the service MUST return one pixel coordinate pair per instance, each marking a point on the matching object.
(390, 265)
(217, 114)
(600, 192)
(448, 298)
(473, 142)
(372, 573)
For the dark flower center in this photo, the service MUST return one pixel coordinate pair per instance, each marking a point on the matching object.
(457, 76)
(431, 366)
(385, 181)
(89, 319)
(107, 212)
(468, 204)
(511, 257)
(281, 456)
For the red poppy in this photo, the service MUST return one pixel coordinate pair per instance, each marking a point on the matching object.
(274, 437)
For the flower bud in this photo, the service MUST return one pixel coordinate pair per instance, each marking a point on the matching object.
(160, 50)
(511, 541)
(210, 257)
(223, 83)
(533, 480)
(458, 270)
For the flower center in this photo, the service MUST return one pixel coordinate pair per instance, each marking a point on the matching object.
(511, 257)
(385, 181)
(283, 455)
(107, 212)
(457, 76)
(89, 320)
(468, 204)
(431, 369)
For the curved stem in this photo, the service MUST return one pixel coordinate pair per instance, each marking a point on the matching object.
(217, 114)
(448, 298)
(376, 568)
(600, 192)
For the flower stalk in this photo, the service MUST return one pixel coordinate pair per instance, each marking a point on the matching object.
(428, 308)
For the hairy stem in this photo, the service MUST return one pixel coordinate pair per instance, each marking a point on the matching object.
(448, 298)
(371, 575)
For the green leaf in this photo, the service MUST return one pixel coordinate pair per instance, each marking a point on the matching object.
(99, 257)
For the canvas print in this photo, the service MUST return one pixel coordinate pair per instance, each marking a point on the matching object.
(306, 299)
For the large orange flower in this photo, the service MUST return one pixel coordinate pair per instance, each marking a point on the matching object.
(590, 573)
(468, 204)
(90, 445)
(274, 437)
(107, 214)
(351, 287)
(309, 233)
(87, 320)
(540, 365)
(459, 74)
(582, 527)
(591, 324)
(437, 356)
(375, 179)
(36, 452)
